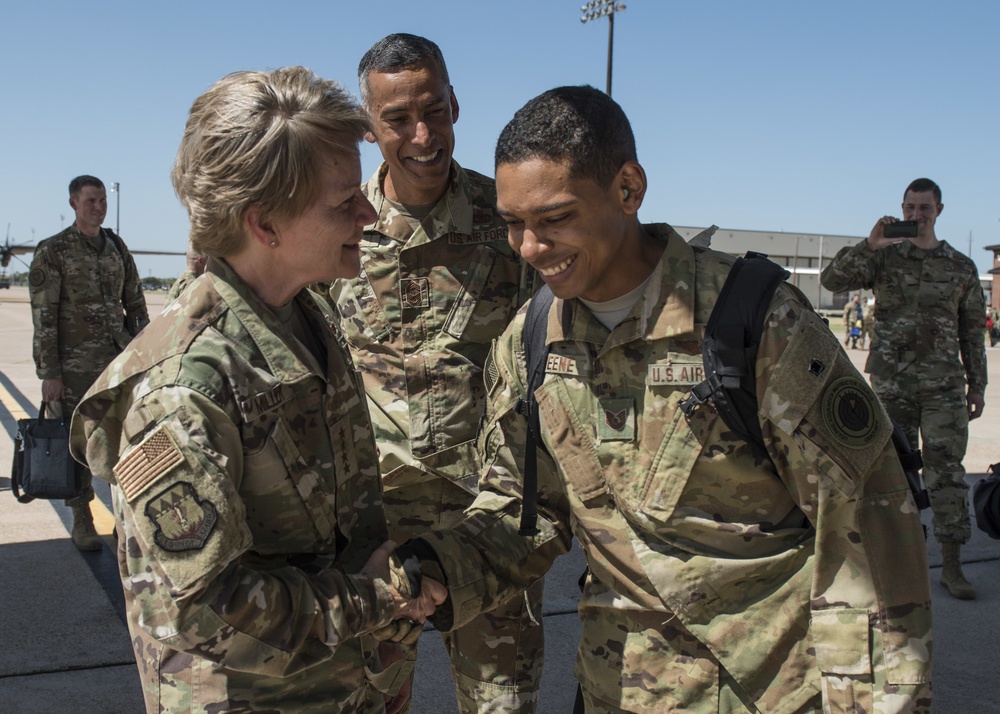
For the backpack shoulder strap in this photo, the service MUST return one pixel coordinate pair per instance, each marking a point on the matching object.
(536, 327)
(119, 244)
(116, 241)
(729, 349)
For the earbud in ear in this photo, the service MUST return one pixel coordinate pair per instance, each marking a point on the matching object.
(624, 193)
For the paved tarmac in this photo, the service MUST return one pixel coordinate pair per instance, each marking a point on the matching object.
(64, 646)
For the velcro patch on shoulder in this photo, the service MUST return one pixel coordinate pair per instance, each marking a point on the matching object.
(144, 465)
(36, 278)
(851, 414)
(801, 375)
(183, 520)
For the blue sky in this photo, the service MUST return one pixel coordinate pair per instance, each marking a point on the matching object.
(772, 115)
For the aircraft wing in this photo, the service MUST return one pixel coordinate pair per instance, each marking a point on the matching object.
(8, 251)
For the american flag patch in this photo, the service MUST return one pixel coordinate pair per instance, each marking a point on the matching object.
(147, 462)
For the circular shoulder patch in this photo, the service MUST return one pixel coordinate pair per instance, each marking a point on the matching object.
(36, 277)
(851, 413)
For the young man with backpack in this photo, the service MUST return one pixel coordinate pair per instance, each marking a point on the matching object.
(723, 576)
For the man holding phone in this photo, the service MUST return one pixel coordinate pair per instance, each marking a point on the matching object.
(928, 300)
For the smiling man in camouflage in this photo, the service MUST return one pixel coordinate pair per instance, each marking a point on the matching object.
(86, 305)
(438, 283)
(927, 357)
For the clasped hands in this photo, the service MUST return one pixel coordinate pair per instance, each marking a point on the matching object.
(415, 598)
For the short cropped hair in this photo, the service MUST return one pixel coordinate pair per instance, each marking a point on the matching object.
(921, 185)
(581, 126)
(77, 184)
(259, 138)
(395, 53)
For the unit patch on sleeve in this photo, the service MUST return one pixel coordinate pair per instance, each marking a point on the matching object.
(183, 521)
(147, 462)
(36, 277)
(850, 413)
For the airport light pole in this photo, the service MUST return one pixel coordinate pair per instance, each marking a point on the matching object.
(596, 10)
(116, 189)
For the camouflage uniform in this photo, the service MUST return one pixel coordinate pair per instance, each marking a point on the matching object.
(246, 493)
(868, 324)
(928, 342)
(720, 581)
(86, 305)
(419, 320)
(179, 286)
(849, 318)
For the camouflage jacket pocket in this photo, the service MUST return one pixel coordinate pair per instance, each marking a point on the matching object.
(487, 300)
(663, 459)
(895, 291)
(904, 622)
(840, 639)
(361, 317)
(287, 507)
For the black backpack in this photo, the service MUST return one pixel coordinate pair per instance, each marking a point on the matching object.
(729, 352)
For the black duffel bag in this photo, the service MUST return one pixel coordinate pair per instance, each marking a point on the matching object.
(43, 467)
(986, 501)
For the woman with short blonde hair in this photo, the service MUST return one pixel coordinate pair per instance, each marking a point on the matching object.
(235, 433)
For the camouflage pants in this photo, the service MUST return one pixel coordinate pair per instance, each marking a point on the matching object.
(939, 415)
(496, 659)
(76, 385)
(866, 333)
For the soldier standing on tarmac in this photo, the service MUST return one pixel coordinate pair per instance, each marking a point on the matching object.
(927, 359)
(86, 305)
(438, 283)
(868, 319)
(852, 314)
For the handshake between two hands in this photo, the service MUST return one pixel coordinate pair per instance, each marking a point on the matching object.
(415, 597)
